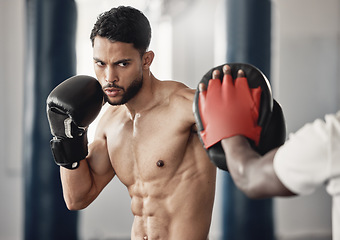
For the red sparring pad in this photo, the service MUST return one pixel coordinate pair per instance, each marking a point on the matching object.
(270, 118)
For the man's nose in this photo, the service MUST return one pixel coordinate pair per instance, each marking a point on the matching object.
(111, 75)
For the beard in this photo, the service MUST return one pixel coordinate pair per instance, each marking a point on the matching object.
(129, 92)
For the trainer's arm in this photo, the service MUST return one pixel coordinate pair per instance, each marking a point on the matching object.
(252, 173)
(82, 185)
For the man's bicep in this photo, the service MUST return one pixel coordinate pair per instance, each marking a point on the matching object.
(99, 160)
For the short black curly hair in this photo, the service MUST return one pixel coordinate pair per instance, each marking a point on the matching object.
(123, 24)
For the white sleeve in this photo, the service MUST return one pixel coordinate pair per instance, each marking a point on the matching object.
(311, 156)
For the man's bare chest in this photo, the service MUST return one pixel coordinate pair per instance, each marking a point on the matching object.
(147, 148)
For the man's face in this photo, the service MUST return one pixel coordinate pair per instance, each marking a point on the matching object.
(118, 67)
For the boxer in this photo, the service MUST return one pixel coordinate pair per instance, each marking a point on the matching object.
(147, 136)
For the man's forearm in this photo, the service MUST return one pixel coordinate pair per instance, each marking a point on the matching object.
(77, 186)
(252, 173)
(240, 158)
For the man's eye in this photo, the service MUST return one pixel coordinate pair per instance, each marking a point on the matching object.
(123, 64)
(100, 63)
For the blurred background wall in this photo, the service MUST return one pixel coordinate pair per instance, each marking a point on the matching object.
(188, 41)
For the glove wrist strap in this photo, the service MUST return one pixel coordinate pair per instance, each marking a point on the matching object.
(68, 152)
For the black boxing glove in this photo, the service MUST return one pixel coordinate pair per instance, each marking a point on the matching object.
(268, 130)
(71, 107)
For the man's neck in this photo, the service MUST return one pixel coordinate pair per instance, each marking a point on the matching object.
(145, 98)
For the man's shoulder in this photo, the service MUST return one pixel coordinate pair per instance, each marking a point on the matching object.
(173, 84)
(179, 100)
(178, 90)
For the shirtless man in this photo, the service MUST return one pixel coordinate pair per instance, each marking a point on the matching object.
(146, 137)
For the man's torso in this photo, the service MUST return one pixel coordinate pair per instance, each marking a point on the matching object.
(165, 168)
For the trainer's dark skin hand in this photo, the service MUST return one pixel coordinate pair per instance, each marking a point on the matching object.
(216, 75)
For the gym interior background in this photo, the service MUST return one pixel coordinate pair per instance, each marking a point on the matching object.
(188, 40)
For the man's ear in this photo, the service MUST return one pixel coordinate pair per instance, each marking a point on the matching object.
(147, 59)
